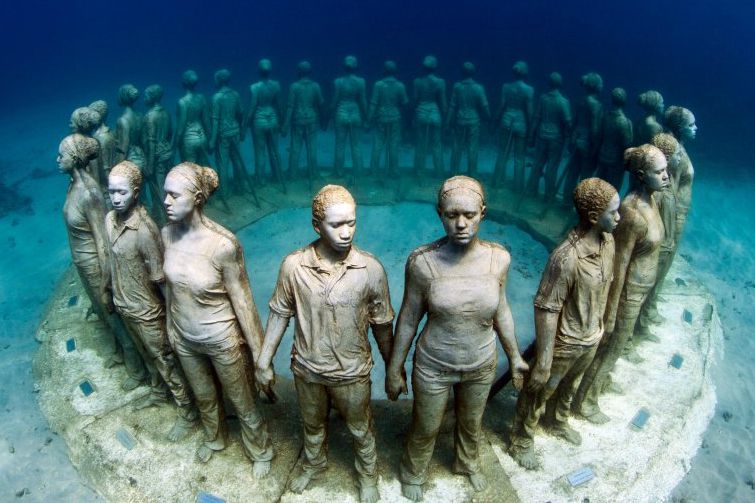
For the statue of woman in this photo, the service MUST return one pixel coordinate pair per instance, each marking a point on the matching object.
(265, 117)
(128, 129)
(515, 121)
(84, 120)
(681, 123)
(349, 111)
(459, 282)
(651, 103)
(84, 213)
(638, 239)
(615, 137)
(193, 121)
(107, 140)
(429, 113)
(211, 313)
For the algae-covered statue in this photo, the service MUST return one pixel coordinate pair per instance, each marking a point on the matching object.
(84, 213)
(651, 103)
(388, 101)
(157, 137)
(192, 122)
(468, 109)
(459, 282)
(615, 138)
(515, 120)
(211, 315)
(128, 128)
(331, 276)
(137, 284)
(264, 118)
(569, 309)
(638, 238)
(226, 132)
(349, 111)
(105, 136)
(681, 123)
(84, 120)
(551, 126)
(429, 113)
(585, 138)
(304, 112)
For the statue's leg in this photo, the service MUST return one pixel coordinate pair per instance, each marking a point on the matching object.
(356, 149)
(473, 147)
(341, 131)
(394, 139)
(378, 145)
(571, 176)
(555, 150)
(437, 149)
(420, 150)
(297, 137)
(538, 165)
(504, 147)
(258, 141)
(310, 138)
(313, 408)
(456, 147)
(271, 144)
(520, 153)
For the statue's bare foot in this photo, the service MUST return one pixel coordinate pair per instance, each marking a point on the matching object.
(478, 481)
(567, 433)
(412, 491)
(526, 458)
(300, 482)
(204, 453)
(368, 494)
(595, 417)
(260, 469)
(631, 355)
(150, 400)
(179, 430)
(113, 360)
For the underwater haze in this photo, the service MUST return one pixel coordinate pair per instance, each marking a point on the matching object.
(59, 55)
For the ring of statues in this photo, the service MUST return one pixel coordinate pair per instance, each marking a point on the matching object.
(177, 322)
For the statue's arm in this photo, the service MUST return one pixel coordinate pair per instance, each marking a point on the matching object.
(94, 209)
(503, 325)
(121, 138)
(625, 237)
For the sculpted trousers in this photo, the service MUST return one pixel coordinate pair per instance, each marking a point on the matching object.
(266, 139)
(228, 155)
(347, 130)
(227, 360)
(547, 159)
(387, 138)
(431, 390)
(511, 143)
(353, 403)
(305, 134)
(554, 397)
(428, 137)
(466, 138)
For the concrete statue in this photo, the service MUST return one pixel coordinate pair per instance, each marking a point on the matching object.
(651, 103)
(157, 138)
(615, 138)
(429, 100)
(349, 111)
(387, 104)
(264, 119)
(128, 128)
(304, 114)
(468, 110)
(192, 122)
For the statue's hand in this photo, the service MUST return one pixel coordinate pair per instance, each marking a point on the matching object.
(395, 384)
(106, 299)
(265, 377)
(538, 377)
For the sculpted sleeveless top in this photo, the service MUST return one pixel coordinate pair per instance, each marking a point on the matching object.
(80, 238)
(459, 335)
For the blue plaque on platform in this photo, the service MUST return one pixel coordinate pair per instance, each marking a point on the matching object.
(687, 316)
(86, 387)
(204, 497)
(676, 361)
(73, 300)
(581, 476)
(71, 345)
(641, 418)
(126, 439)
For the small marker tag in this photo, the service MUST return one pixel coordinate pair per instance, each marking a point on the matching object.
(680, 282)
(204, 497)
(687, 316)
(640, 419)
(73, 300)
(126, 439)
(581, 476)
(676, 361)
(86, 387)
(71, 345)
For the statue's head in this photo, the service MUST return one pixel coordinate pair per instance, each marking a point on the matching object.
(188, 187)
(100, 106)
(555, 81)
(521, 69)
(648, 164)
(461, 207)
(189, 79)
(222, 77)
(350, 63)
(681, 122)
(389, 68)
(123, 185)
(153, 94)
(127, 95)
(430, 63)
(265, 67)
(304, 68)
(670, 147)
(334, 217)
(84, 120)
(597, 203)
(468, 69)
(618, 97)
(76, 151)
(651, 101)
(592, 82)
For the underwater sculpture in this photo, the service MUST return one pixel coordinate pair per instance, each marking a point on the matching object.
(681, 123)
(551, 125)
(459, 282)
(264, 119)
(585, 135)
(84, 213)
(157, 137)
(638, 239)
(331, 276)
(514, 119)
(136, 261)
(192, 122)
(468, 109)
(569, 308)
(105, 136)
(128, 128)
(211, 314)
(386, 105)
(84, 120)
(429, 99)
(226, 133)
(615, 138)
(304, 112)
(349, 111)
(649, 125)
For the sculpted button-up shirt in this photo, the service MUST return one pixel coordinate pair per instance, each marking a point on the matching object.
(575, 284)
(137, 265)
(334, 309)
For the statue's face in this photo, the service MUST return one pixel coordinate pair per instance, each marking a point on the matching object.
(66, 162)
(180, 198)
(338, 227)
(122, 195)
(655, 177)
(674, 161)
(689, 130)
(609, 219)
(461, 212)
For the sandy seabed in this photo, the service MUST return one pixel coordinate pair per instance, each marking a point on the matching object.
(33, 462)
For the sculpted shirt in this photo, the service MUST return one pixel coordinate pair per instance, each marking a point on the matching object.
(137, 265)
(334, 309)
(575, 284)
